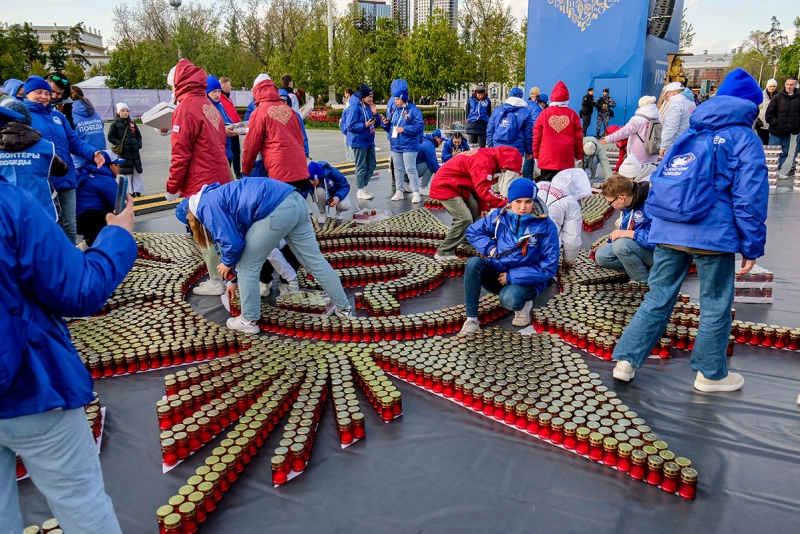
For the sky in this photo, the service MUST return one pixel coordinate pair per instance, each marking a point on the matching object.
(719, 25)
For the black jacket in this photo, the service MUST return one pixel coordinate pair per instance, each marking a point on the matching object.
(131, 146)
(783, 113)
(587, 105)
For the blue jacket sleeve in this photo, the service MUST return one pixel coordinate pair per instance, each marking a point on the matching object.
(414, 125)
(76, 145)
(527, 129)
(490, 131)
(224, 233)
(341, 184)
(641, 231)
(542, 267)
(61, 279)
(250, 108)
(750, 196)
(480, 234)
(429, 153)
(355, 120)
(447, 151)
(303, 129)
(108, 190)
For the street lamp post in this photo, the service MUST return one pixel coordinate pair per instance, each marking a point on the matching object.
(175, 5)
(331, 87)
(761, 70)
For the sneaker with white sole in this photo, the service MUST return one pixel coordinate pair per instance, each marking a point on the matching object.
(344, 312)
(264, 289)
(469, 327)
(321, 218)
(363, 194)
(240, 325)
(293, 286)
(407, 188)
(398, 195)
(624, 371)
(210, 288)
(415, 198)
(425, 191)
(439, 257)
(523, 316)
(732, 382)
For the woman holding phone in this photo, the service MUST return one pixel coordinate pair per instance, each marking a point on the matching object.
(96, 196)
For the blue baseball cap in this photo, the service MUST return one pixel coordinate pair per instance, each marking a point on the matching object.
(516, 91)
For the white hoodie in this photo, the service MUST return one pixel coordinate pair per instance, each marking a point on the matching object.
(562, 198)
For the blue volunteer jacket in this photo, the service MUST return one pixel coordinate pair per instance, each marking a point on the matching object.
(54, 127)
(46, 278)
(479, 110)
(427, 153)
(97, 190)
(29, 169)
(353, 124)
(534, 109)
(251, 107)
(335, 182)
(226, 121)
(505, 230)
(409, 117)
(228, 211)
(638, 217)
(523, 141)
(736, 221)
(89, 129)
(447, 149)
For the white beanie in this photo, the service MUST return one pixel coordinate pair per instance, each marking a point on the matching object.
(260, 78)
(772, 81)
(121, 106)
(589, 148)
(646, 100)
(631, 167)
(171, 76)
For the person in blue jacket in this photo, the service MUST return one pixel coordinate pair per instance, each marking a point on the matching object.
(284, 94)
(14, 88)
(330, 189)
(54, 127)
(628, 248)
(734, 223)
(214, 93)
(453, 145)
(246, 220)
(89, 125)
(44, 386)
(405, 127)
(96, 196)
(427, 161)
(535, 106)
(511, 125)
(479, 110)
(397, 84)
(28, 161)
(520, 247)
(358, 124)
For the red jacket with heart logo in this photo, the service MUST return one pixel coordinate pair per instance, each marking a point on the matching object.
(557, 134)
(198, 135)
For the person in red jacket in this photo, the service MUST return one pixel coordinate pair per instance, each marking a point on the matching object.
(557, 135)
(275, 132)
(464, 187)
(198, 152)
(230, 109)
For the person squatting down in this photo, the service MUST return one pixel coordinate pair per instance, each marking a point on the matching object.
(520, 246)
(330, 189)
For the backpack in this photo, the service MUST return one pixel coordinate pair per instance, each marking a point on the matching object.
(652, 136)
(505, 133)
(683, 184)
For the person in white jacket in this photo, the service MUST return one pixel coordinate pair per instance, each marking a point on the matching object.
(563, 198)
(635, 131)
(676, 115)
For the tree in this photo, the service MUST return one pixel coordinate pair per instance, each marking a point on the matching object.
(350, 51)
(752, 61)
(433, 65)
(11, 58)
(386, 55)
(57, 53)
(789, 62)
(26, 41)
(517, 54)
(74, 43)
(687, 34)
(74, 72)
(487, 26)
(98, 69)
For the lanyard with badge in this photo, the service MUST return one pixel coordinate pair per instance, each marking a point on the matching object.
(403, 119)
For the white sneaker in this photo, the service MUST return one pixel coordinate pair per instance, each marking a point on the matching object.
(363, 194)
(283, 289)
(344, 312)
(321, 218)
(439, 257)
(239, 324)
(624, 371)
(425, 191)
(415, 198)
(523, 316)
(264, 289)
(407, 188)
(293, 286)
(470, 326)
(732, 382)
(398, 195)
(210, 288)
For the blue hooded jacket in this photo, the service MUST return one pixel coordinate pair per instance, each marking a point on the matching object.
(398, 84)
(251, 107)
(97, 189)
(226, 121)
(335, 182)
(46, 278)
(505, 230)
(228, 211)
(427, 153)
(409, 117)
(89, 129)
(534, 109)
(638, 216)
(54, 127)
(11, 87)
(284, 94)
(524, 138)
(353, 124)
(447, 149)
(736, 221)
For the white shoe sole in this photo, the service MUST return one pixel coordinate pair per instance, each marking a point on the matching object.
(241, 327)
(625, 377)
(712, 388)
(521, 322)
(207, 292)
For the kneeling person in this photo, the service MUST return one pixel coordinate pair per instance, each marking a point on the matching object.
(330, 189)
(96, 195)
(629, 249)
(520, 243)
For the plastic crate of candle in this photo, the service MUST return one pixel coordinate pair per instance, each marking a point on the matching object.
(316, 302)
(754, 295)
(367, 216)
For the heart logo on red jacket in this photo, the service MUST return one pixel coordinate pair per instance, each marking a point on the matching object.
(558, 122)
(280, 113)
(212, 115)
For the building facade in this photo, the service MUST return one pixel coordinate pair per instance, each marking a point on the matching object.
(424, 9)
(705, 66)
(401, 13)
(373, 10)
(95, 53)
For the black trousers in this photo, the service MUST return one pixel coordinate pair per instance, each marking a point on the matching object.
(480, 139)
(763, 134)
(90, 223)
(267, 270)
(586, 121)
(236, 148)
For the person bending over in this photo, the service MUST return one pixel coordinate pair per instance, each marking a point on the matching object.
(330, 189)
(520, 243)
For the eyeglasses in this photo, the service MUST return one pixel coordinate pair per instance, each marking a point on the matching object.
(59, 79)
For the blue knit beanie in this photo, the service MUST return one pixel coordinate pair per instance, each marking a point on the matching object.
(516, 91)
(212, 84)
(36, 82)
(401, 94)
(364, 90)
(741, 84)
(522, 188)
(315, 171)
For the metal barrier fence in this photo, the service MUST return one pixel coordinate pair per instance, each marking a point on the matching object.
(140, 100)
(451, 116)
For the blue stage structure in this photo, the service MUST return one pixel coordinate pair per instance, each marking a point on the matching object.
(621, 45)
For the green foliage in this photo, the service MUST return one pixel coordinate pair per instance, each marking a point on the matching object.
(22, 43)
(386, 57)
(789, 62)
(487, 32)
(57, 53)
(74, 72)
(38, 69)
(687, 33)
(436, 63)
(751, 61)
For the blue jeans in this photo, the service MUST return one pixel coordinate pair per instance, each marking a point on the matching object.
(425, 174)
(365, 165)
(626, 255)
(480, 273)
(406, 163)
(785, 141)
(60, 455)
(527, 168)
(288, 221)
(716, 273)
(68, 220)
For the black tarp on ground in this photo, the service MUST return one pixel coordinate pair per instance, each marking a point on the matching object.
(443, 468)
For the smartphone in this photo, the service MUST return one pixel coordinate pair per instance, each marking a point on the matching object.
(122, 194)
